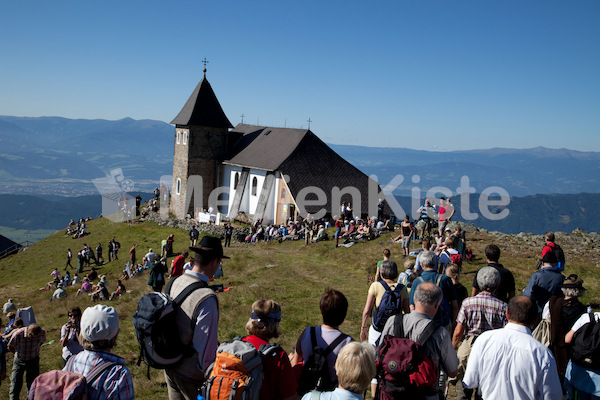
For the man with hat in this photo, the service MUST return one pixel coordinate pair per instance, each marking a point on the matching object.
(201, 307)
(99, 330)
(545, 283)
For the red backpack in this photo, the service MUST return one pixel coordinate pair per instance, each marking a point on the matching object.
(403, 368)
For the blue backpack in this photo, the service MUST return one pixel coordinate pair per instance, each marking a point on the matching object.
(391, 304)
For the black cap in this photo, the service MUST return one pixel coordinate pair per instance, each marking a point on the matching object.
(211, 246)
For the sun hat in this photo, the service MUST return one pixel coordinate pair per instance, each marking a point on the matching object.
(99, 323)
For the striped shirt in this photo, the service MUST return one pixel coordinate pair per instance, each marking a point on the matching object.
(482, 313)
(115, 383)
(26, 348)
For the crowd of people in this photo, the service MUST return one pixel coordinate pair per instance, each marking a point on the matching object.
(480, 341)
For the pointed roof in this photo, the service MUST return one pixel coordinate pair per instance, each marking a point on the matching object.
(202, 109)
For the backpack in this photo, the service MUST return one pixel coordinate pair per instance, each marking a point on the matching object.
(403, 368)
(586, 345)
(316, 374)
(156, 327)
(237, 372)
(469, 254)
(65, 385)
(454, 259)
(391, 304)
(442, 317)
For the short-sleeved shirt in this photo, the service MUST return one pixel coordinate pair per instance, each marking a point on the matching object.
(507, 282)
(26, 348)
(279, 379)
(542, 285)
(445, 284)
(482, 313)
(325, 336)
(72, 345)
(115, 383)
(377, 290)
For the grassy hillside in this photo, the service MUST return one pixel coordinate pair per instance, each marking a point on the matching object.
(291, 273)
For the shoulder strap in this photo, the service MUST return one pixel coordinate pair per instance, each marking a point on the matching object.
(384, 284)
(335, 344)
(185, 292)
(438, 280)
(420, 279)
(315, 395)
(429, 330)
(398, 329)
(99, 369)
(313, 336)
(592, 318)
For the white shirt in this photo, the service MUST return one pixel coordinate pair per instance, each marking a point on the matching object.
(509, 363)
(584, 319)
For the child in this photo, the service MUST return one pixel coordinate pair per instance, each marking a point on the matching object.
(453, 271)
(405, 277)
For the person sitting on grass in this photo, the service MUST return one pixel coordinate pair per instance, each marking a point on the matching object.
(119, 291)
(86, 286)
(101, 293)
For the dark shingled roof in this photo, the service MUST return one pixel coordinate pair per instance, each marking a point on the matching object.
(7, 246)
(301, 155)
(264, 147)
(202, 109)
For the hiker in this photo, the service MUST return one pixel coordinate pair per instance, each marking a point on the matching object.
(99, 331)
(116, 247)
(443, 214)
(119, 291)
(438, 347)
(562, 313)
(279, 381)
(509, 363)
(453, 272)
(386, 253)
(69, 258)
(506, 289)
(178, 263)
(333, 306)
(9, 306)
(448, 254)
(449, 307)
(477, 315)
(100, 293)
(551, 247)
(389, 274)
(69, 335)
(26, 343)
(426, 214)
(545, 282)
(59, 294)
(407, 230)
(132, 255)
(426, 246)
(355, 367)
(228, 234)
(150, 258)
(99, 259)
(184, 380)
(194, 236)
(158, 272)
(110, 251)
(170, 241)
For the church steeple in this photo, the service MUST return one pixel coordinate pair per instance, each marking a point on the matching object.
(202, 109)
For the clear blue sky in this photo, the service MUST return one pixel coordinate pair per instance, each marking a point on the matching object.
(422, 74)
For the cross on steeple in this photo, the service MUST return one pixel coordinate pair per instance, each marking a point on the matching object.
(205, 61)
(309, 121)
(242, 117)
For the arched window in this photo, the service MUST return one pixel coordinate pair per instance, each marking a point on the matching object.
(254, 186)
(178, 137)
(185, 135)
(178, 188)
(236, 180)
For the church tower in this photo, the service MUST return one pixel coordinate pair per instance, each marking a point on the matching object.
(201, 144)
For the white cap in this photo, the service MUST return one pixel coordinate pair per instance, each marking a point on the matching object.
(99, 323)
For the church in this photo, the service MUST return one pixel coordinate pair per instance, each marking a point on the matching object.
(270, 174)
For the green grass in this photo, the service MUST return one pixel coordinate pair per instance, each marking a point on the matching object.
(296, 280)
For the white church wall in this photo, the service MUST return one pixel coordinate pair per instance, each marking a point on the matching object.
(256, 178)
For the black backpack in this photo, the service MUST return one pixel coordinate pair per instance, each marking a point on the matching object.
(315, 374)
(586, 345)
(391, 304)
(156, 327)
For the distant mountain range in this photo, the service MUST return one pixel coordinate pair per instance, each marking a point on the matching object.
(55, 156)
